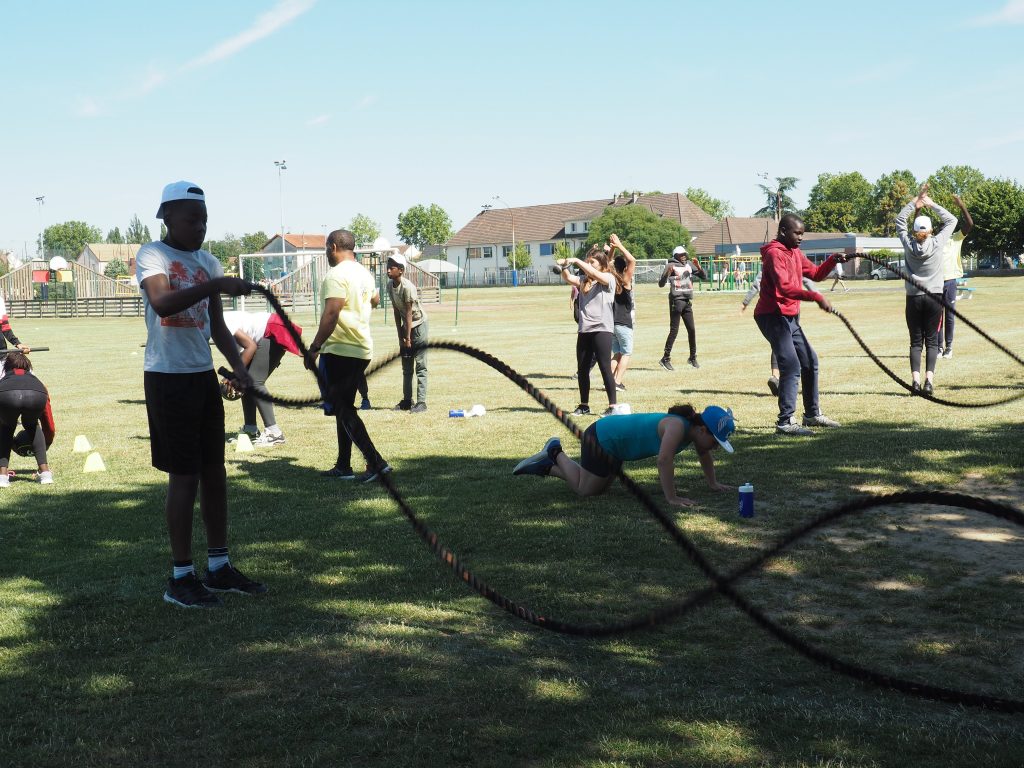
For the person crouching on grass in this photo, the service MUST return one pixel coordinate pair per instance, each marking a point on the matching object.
(181, 287)
(609, 442)
(23, 398)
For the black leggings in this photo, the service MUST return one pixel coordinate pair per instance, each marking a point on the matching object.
(589, 345)
(680, 308)
(923, 314)
(26, 406)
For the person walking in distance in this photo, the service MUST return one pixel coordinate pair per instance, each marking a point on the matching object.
(679, 274)
(343, 337)
(411, 324)
(952, 272)
(777, 315)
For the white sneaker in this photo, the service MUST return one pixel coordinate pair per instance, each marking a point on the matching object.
(268, 439)
(5, 481)
(45, 478)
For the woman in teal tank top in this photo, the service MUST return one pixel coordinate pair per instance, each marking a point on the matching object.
(609, 442)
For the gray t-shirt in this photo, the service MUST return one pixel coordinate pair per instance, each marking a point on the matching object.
(179, 343)
(597, 312)
(925, 260)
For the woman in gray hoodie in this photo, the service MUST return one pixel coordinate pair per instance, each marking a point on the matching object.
(922, 253)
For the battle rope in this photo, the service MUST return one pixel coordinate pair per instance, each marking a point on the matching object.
(722, 584)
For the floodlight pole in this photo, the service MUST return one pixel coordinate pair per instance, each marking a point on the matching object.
(515, 274)
(42, 252)
(280, 194)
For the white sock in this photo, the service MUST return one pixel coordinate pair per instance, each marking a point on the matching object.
(216, 558)
(180, 571)
(272, 429)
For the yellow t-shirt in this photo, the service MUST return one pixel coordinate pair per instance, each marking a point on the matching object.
(952, 264)
(352, 282)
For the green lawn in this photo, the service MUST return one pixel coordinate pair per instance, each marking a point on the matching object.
(368, 652)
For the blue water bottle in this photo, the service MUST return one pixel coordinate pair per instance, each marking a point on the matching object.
(746, 500)
(456, 412)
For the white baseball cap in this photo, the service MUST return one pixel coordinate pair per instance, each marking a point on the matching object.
(399, 259)
(678, 250)
(179, 190)
(923, 224)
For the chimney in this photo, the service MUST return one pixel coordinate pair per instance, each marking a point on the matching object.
(633, 200)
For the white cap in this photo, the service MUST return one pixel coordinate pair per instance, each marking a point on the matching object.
(679, 249)
(399, 259)
(922, 224)
(179, 190)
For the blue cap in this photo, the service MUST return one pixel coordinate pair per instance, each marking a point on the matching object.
(720, 424)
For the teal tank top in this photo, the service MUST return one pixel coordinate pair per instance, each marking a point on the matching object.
(635, 436)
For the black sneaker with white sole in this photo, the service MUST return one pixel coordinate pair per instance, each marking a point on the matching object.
(372, 474)
(227, 578)
(666, 364)
(189, 592)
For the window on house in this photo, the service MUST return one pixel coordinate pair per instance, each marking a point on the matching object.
(547, 249)
(472, 253)
(488, 252)
(585, 226)
(572, 227)
(506, 251)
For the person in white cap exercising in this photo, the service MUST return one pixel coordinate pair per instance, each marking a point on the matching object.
(679, 274)
(923, 255)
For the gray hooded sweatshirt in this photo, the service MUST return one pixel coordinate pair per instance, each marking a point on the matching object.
(924, 260)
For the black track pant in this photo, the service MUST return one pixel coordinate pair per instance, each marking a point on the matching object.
(680, 308)
(589, 345)
(343, 377)
(27, 407)
(923, 314)
(948, 318)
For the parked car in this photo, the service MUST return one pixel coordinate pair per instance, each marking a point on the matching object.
(881, 273)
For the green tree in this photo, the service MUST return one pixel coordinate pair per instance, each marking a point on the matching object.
(997, 208)
(137, 232)
(365, 229)
(839, 202)
(523, 258)
(115, 269)
(226, 250)
(777, 199)
(563, 251)
(422, 226)
(891, 192)
(638, 193)
(115, 236)
(709, 204)
(949, 180)
(68, 239)
(645, 234)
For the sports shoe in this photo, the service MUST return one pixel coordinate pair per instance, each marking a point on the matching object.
(540, 463)
(405, 405)
(372, 474)
(190, 592)
(45, 478)
(581, 410)
(819, 421)
(928, 388)
(418, 408)
(693, 361)
(227, 578)
(268, 439)
(339, 473)
(948, 354)
(666, 364)
(252, 433)
(792, 428)
(620, 387)
(5, 481)
(915, 388)
(773, 385)
(619, 409)
(365, 405)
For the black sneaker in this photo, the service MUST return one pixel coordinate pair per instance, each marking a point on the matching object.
(773, 385)
(372, 474)
(418, 408)
(229, 579)
(340, 473)
(915, 388)
(693, 361)
(620, 387)
(581, 410)
(189, 592)
(666, 364)
(405, 405)
(928, 389)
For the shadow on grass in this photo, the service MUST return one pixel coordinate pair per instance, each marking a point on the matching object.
(366, 646)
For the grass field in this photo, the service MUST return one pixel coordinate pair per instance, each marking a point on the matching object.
(368, 652)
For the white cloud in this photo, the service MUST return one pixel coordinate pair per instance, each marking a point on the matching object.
(319, 120)
(365, 102)
(997, 142)
(1011, 13)
(265, 25)
(87, 107)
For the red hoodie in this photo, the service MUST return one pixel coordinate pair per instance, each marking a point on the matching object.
(782, 270)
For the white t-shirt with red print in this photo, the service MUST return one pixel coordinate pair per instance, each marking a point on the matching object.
(179, 343)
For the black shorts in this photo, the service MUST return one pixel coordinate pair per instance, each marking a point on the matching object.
(186, 421)
(592, 460)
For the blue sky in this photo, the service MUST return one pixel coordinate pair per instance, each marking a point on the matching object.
(380, 106)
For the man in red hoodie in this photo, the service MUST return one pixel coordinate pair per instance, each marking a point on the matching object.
(777, 314)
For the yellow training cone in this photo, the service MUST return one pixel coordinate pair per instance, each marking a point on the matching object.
(94, 463)
(243, 443)
(82, 444)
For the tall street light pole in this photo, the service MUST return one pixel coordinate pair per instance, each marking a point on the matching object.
(512, 216)
(280, 193)
(42, 252)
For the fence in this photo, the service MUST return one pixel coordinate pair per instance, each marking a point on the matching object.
(120, 306)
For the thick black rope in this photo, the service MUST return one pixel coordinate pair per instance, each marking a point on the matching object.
(722, 584)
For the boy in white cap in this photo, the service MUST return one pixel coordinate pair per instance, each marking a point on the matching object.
(181, 287)
(411, 324)
(923, 255)
(679, 274)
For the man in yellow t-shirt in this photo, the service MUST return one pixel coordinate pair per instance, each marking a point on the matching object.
(952, 270)
(343, 337)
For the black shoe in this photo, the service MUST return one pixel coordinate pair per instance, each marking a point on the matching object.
(227, 578)
(666, 364)
(340, 473)
(405, 405)
(620, 387)
(915, 388)
(773, 385)
(693, 361)
(418, 408)
(581, 410)
(189, 592)
(372, 474)
(928, 389)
